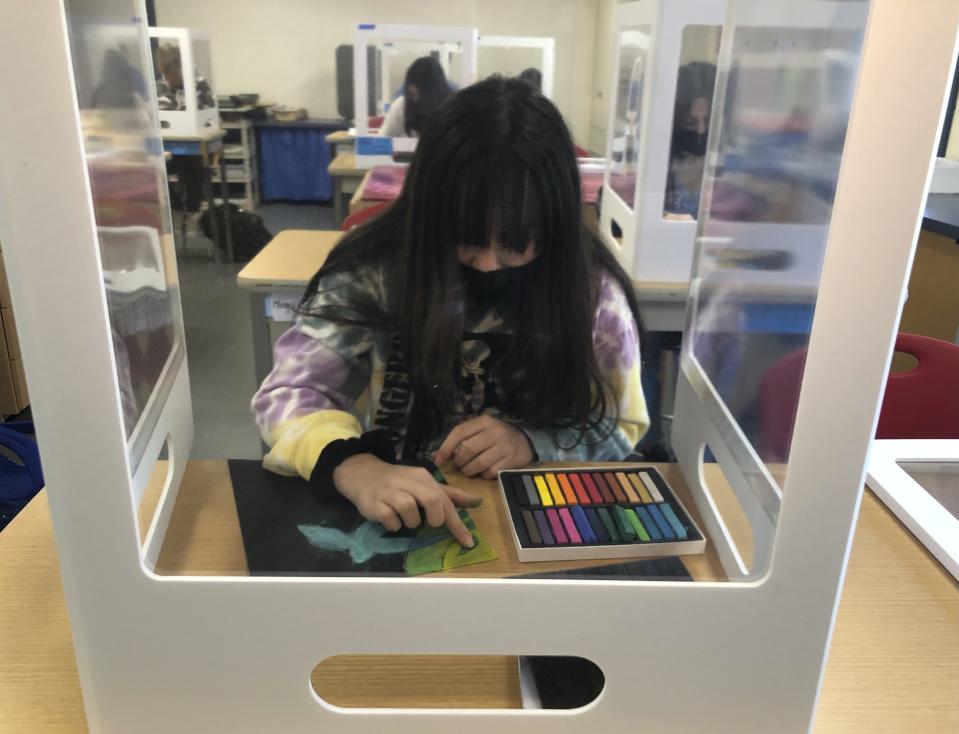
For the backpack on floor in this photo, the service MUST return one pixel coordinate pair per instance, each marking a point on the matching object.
(20, 474)
(249, 233)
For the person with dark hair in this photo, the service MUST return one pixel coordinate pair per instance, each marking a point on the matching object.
(533, 77)
(424, 89)
(485, 322)
(694, 100)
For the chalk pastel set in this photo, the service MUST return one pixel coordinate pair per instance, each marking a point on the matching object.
(608, 512)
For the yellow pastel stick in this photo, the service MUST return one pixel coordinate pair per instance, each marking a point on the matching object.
(554, 487)
(643, 492)
(543, 491)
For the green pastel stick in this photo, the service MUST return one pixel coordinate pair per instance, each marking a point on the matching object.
(637, 524)
(614, 535)
(623, 525)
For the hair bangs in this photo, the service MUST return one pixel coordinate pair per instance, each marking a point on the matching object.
(496, 200)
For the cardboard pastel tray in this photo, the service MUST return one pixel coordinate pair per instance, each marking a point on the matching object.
(580, 513)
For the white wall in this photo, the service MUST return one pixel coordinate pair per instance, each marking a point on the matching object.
(284, 49)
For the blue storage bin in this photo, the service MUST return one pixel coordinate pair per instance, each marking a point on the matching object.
(293, 160)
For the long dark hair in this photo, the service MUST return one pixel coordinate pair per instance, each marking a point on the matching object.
(432, 88)
(496, 161)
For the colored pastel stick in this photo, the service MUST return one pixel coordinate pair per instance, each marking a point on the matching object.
(611, 528)
(651, 486)
(544, 496)
(615, 487)
(673, 521)
(516, 485)
(604, 489)
(567, 488)
(627, 487)
(531, 530)
(541, 522)
(569, 525)
(622, 524)
(647, 520)
(660, 521)
(531, 492)
(593, 490)
(581, 493)
(582, 524)
(644, 496)
(554, 490)
(637, 525)
(557, 526)
(599, 530)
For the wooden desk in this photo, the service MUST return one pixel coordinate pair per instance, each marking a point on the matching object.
(284, 266)
(205, 146)
(341, 141)
(346, 177)
(893, 664)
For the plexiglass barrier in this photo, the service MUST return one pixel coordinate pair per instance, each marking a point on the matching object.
(127, 173)
(783, 103)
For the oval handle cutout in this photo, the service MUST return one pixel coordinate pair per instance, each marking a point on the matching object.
(457, 681)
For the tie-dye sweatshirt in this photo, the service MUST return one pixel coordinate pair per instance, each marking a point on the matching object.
(332, 381)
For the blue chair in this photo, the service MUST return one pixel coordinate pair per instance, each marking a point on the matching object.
(21, 476)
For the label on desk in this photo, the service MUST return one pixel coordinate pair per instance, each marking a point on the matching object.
(282, 306)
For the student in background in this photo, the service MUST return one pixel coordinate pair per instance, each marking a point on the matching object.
(487, 324)
(425, 88)
(687, 157)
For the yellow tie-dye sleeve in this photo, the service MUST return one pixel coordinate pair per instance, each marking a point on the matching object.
(298, 443)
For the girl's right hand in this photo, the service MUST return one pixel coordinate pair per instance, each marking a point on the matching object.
(393, 495)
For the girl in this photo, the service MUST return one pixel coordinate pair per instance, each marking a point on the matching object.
(483, 323)
(424, 90)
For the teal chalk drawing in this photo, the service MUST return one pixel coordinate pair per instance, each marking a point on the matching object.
(368, 540)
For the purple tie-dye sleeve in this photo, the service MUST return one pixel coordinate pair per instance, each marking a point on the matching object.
(318, 365)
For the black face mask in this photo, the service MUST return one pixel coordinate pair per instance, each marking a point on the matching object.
(691, 142)
(503, 288)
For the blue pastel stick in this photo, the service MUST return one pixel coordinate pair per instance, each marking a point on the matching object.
(599, 530)
(582, 524)
(648, 521)
(544, 528)
(673, 521)
(661, 522)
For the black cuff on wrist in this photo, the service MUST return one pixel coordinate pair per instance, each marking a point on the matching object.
(380, 443)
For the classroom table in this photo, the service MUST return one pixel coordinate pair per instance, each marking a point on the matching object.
(893, 663)
(290, 259)
(346, 177)
(205, 145)
(341, 141)
(283, 267)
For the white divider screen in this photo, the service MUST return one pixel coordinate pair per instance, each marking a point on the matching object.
(127, 172)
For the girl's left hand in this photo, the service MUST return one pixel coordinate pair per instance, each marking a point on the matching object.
(482, 446)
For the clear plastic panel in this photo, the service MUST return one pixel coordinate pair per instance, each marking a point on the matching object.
(203, 70)
(510, 61)
(775, 150)
(695, 84)
(168, 73)
(939, 478)
(633, 51)
(128, 180)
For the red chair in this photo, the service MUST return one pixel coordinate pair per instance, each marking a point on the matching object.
(919, 403)
(375, 123)
(363, 215)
